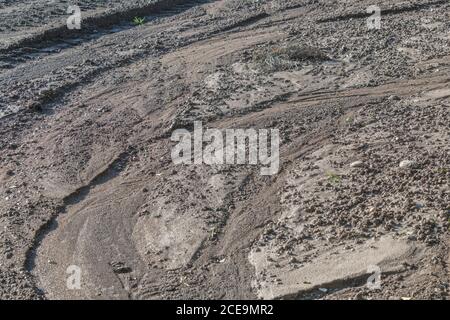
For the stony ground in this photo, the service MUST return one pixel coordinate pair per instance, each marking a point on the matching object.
(86, 176)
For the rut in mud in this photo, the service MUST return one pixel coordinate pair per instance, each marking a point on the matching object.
(55, 40)
(79, 195)
(88, 180)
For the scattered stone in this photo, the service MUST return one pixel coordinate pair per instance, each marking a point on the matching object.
(294, 260)
(407, 164)
(394, 98)
(357, 164)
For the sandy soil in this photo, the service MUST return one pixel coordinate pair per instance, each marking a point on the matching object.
(87, 179)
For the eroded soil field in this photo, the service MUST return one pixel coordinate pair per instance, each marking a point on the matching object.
(87, 179)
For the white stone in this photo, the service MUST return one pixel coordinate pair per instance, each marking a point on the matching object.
(407, 164)
(357, 164)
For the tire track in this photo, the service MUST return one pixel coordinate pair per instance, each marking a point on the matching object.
(58, 39)
(110, 172)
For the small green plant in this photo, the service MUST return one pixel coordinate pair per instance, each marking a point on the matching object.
(333, 177)
(138, 21)
(442, 170)
(213, 233)
(349, 120)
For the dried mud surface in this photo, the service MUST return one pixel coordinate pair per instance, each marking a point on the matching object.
(86, 176)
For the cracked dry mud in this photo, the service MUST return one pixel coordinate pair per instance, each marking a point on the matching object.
(86, 176)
